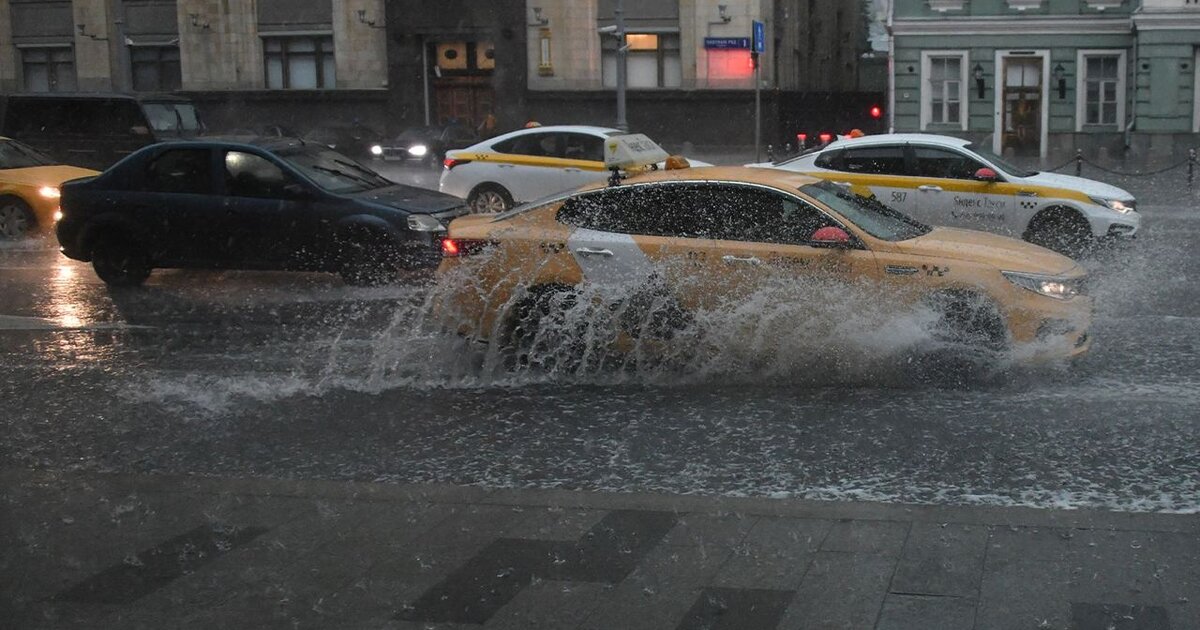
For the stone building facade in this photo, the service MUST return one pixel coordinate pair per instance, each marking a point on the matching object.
(298, 62)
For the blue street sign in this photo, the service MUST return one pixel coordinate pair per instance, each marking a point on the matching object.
(742, 43)
(760, 37)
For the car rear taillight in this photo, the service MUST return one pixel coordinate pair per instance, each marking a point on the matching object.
(450, 163)
(452, 247)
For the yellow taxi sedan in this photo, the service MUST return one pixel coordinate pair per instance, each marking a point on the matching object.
(705, 234)
(29, 194)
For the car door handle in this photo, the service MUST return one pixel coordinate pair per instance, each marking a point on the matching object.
(505, 165)
(572, 170)
(745, 260)
(845, 185)
(1026, 193)
(588, 251)
(930, 188)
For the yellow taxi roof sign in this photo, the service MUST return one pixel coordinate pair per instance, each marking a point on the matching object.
(632, 150)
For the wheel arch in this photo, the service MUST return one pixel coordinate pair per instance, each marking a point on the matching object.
(1064, 208)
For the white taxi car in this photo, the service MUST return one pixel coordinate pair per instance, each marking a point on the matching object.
(948, 181)
(496, 174)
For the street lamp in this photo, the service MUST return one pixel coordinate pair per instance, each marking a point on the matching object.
(977, 72)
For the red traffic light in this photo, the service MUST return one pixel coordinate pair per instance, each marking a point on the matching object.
(876, 111)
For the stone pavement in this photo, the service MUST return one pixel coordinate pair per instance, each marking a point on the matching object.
(87, 550)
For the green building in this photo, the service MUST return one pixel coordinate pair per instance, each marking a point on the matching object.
(1047, 77)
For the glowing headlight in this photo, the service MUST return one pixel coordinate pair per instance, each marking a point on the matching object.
(424, 223)
(58, 215)
(376, 149)
(1049, 286)
(418, 150)
(1124, 206)
(49, 192)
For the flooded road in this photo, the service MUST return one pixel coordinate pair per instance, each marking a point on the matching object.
(299, 376)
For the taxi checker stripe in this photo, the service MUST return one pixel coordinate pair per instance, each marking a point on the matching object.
(532, 160)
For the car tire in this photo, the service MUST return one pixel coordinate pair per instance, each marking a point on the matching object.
(489, 199)
(119, 261)
(16, 219)
(368, 260)
(535, 334)
(969, 321)
(1063, 230)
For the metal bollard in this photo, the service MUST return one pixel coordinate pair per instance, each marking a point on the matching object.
(770, 153)
(1191, 168)
(1078, 162)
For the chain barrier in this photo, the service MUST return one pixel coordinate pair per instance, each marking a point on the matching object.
(1079, 161)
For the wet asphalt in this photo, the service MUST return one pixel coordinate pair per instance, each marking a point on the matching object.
(299, 376)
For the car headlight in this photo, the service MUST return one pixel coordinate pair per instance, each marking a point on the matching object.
(1124, 206)
(376, 149)
(418, 150)
(424, 223)
(58, 215)
(1049, 286)
(49, 192)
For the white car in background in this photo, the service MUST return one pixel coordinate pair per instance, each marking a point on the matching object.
(496, 174)
(948, 181)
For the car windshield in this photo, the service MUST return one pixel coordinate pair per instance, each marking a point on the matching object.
(1004, 165)
(173, 117)
(13, 154)
(871, 215)
(333, 171)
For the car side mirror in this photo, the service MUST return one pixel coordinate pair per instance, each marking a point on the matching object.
(986, 174)
(831, 236)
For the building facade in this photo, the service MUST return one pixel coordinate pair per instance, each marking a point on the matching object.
(690, 74)
(287, 61)
(1047, 77)
(395, 63)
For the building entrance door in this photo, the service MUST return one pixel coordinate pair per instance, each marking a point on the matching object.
(1023, 105)
(466, 100)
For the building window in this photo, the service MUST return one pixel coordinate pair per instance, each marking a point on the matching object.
(1100, 89)
(299, 63)
(49, 69)
(155, 68)
(652, 61)
(944, 97)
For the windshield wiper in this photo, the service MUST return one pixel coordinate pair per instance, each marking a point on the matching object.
(341, 173)
(362, 169)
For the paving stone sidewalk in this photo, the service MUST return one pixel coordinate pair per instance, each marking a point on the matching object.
(121, 551)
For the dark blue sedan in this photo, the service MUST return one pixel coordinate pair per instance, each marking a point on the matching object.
(250, 204)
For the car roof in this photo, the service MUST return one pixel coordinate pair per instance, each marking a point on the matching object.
(589, 129)
(891, 138)
(269, 143)
(731, 174)
(98, 96)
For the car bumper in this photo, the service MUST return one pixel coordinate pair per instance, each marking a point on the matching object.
(1053, 330)
(1108, 224)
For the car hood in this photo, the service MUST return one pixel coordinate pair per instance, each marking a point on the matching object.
(1089, 187)
(1007, 254)
(410, 199)
(44, 175)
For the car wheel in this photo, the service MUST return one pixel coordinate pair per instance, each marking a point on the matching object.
(1062, 230)
(969, 321)
(538, 334)
(119, 261)
(489, 199)
(368, 260)
(16, 219)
